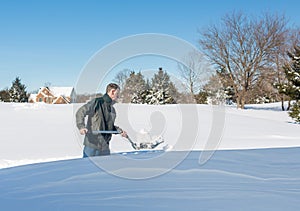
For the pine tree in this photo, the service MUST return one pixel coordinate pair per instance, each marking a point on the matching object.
(142, 97)
(134, 85)
(160, 91)
(158, 97)
(292, 87)
(161, 80)
(17, 92)
(295, 111)
(163, 91)
(216, 91)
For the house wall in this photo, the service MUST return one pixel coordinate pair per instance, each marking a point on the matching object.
(46, 96)
(49, 98)
(60, 100)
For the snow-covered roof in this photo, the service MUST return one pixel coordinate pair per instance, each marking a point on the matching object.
(32, 97)
(61, 97)
(60, 91)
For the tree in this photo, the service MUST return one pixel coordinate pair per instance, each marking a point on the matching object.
(121, 78)
(201, 97)
(295, 111)
(17, 92)
(134, 85)
(4, 96)
(152, 97)
(160, 91)
(220, 84)
(163, 88)
(215, 91)
(292, 87)
(243, 48)
(292, 39)
(193, 71)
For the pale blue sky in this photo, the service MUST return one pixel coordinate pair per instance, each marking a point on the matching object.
(51, 41)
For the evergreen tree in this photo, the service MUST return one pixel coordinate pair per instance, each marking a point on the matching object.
(17, 92)
(134, 85)
(295, 111)
(159, 92)
(292, 87)
(201, 97)
(142, 97)
(217, 92)
(158, 97)
(161, 80)
(163, 91)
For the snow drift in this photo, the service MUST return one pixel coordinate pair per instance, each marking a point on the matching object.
(262, 179)
(34, 133)
(255, 166)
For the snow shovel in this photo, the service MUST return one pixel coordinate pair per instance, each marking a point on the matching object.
(96, 132)
(145, 145)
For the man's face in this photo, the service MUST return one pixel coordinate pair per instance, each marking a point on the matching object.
(114, 94)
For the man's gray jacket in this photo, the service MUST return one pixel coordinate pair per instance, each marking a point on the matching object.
(101, 116)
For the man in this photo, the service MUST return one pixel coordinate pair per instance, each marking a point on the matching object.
(101, 117)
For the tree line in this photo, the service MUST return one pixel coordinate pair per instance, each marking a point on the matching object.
(158, 90)
(16, 93)
(249, 55)
(256, 59)
(252, 60)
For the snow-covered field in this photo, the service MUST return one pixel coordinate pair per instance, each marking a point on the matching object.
(256, 165)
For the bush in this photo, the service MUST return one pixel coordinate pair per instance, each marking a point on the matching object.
(295, 111)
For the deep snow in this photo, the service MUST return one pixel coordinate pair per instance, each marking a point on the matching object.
(262, 179)
(256, 165)
(32, 133)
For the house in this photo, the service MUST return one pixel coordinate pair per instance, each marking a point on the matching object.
(54, 95)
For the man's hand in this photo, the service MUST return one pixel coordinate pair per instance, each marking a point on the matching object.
(83, 131)
(124, 134)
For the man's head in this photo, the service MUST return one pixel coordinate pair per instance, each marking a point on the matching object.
(113, 90)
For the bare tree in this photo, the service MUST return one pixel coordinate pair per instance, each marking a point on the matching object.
(243, 48)
(121, 77)
(194, 72)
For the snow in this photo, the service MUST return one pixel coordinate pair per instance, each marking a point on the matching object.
(36, 132)
(61, 91)
(32, 97)
(256, 164)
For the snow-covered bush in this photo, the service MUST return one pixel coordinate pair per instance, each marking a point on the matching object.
(292, 88)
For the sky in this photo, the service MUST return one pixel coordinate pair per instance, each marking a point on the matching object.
(52, 41)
